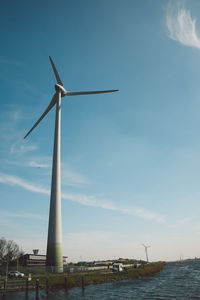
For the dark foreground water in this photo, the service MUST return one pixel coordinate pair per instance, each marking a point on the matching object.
(178, 280)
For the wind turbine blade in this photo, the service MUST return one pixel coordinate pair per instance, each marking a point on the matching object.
(55, 72)
(53, 101)
(89, 92)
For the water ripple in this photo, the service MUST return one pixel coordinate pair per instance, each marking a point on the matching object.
(178, 280)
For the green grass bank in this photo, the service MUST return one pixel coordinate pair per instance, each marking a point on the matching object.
(57, 281)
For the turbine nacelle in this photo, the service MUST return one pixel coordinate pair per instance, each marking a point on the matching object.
(60, 89)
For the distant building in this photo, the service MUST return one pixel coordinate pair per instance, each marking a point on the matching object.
(103, 262)
(35, 259)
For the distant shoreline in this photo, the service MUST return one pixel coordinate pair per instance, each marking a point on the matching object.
(68, 281)
(91, 278)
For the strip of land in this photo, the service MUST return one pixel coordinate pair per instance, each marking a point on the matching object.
(71, 280)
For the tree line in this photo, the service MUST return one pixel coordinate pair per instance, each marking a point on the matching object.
(9, 251)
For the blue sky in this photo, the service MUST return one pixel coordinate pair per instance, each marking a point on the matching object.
(130, 160)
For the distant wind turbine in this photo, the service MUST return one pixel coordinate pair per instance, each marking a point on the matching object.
(54, 245)
(146, 247)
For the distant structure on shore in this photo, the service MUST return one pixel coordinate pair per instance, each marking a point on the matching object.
(146, 247)
(35, 259)
(54, 245)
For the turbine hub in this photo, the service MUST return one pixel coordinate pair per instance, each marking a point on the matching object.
(61, 89)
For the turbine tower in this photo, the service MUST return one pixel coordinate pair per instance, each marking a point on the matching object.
(54, 258)
(146, 247)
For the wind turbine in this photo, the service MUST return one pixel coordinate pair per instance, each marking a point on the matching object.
(54, 258)
(146, 247)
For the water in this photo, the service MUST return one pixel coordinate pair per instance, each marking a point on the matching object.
(178, 280)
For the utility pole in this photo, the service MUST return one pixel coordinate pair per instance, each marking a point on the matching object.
(7, 270)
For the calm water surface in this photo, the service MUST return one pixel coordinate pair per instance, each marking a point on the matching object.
(178, 280)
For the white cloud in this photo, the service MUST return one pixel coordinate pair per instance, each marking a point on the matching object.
(15, 115)
(43, 162)
(91, 237)
(106, 204)
(17, 181)
(72, 178)
(7, 223)
(11, 134)
(182, 27)
(23, 214)
(69, 176)
(182, 222)
(8, 220)
(36, 164)
(20, 147)
(83, 199)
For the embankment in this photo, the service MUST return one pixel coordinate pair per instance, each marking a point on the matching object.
(96, 277)
(67, 281)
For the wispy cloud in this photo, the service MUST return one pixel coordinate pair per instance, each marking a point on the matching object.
(181, 26)
(23, 215)
(182, 222)
(15, 115)
(83, 199)
(17, 181)
(20, 147)
(7, 223)
(11, 135)
(91, 236)
(71, 177)
(36, 164)
(10, 131)
(43, 162)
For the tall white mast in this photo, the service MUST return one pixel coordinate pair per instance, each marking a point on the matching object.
(54, 259)
(54, 243)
